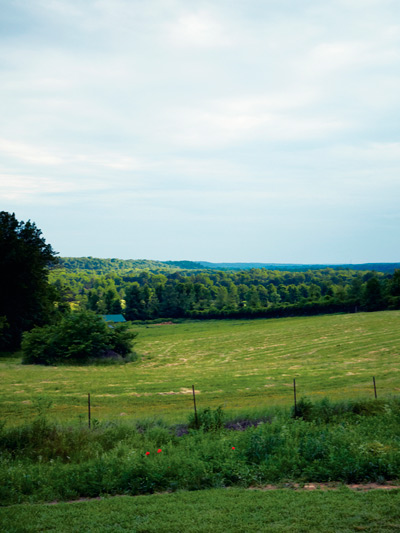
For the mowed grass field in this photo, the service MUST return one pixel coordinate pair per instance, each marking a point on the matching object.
(217, 510)
(242, 365)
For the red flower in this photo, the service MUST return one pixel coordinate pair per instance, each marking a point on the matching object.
(159, 450)
(147, 453)
(233, 447)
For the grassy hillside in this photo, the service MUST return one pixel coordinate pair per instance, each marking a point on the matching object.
(241, 365)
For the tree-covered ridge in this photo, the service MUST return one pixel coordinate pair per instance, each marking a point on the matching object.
(188, 265)
(114, 265)
(100, 265)
(298, 267)
(144, 295)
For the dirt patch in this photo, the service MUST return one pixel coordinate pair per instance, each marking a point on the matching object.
(242, 425)
(330, 486)
(357, 487)
(185, 390)
(163, 324)
(55, 502)
(181, 429)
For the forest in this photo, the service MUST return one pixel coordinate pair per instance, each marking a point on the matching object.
(148, 290)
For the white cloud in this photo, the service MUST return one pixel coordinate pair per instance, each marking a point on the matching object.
(220, 124)
(198, 29)
(31, 154)
(28, 189)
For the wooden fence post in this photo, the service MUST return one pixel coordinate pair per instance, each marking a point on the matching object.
(195, 409)
(373, 379)
(89, 409)
(295, 400)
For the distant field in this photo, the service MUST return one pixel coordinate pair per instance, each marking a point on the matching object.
(239, 364)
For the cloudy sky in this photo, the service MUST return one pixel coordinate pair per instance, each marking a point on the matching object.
(224, 130)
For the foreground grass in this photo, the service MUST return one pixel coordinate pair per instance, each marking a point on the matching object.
(218, 510)
(349, 442)
(239, 364)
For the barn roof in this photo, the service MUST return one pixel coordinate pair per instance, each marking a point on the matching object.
(113, 318)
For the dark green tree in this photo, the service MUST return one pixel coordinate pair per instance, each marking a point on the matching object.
(26, 297)
(394, 290)
(373, 297)
(355, 290)
(222, 297)
(134, 309)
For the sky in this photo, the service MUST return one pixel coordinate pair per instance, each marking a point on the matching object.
(224, 130)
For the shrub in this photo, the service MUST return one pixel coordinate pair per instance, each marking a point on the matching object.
(303, 409)
(79, 337)
(207, 419)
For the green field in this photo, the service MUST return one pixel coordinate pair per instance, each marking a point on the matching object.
(233, 510)
(239, 364)
(248, 367)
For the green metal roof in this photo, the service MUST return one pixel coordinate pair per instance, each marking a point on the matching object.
(113, 318)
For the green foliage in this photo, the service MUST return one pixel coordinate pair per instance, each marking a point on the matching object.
(148, 291)
(303, 409)
(43, 460)
(26, 297)
(79, 337)
(326, 411)
(207, 419)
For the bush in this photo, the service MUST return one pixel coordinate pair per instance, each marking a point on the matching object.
(303, 409)
(207, 419)
(79, 337)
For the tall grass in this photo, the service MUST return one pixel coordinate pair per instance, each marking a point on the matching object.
(345, 442)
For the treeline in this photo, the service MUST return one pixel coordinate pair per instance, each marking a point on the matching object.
(101, 266)
(146, 295)
(298, 267)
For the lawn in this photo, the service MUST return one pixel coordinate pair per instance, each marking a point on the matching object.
(217, 510)
(239, 364)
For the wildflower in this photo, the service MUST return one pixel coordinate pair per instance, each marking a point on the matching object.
(147, 453)
(233, 447)
(159, 450)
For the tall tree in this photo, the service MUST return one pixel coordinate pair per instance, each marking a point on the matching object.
(26, 297)
(373, 297)
(394, 290)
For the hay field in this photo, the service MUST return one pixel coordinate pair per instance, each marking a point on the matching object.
(240, 364)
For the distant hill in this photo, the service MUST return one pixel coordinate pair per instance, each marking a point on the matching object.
(94, 264)
(293, 267)
(188, 265)
(98, 265)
